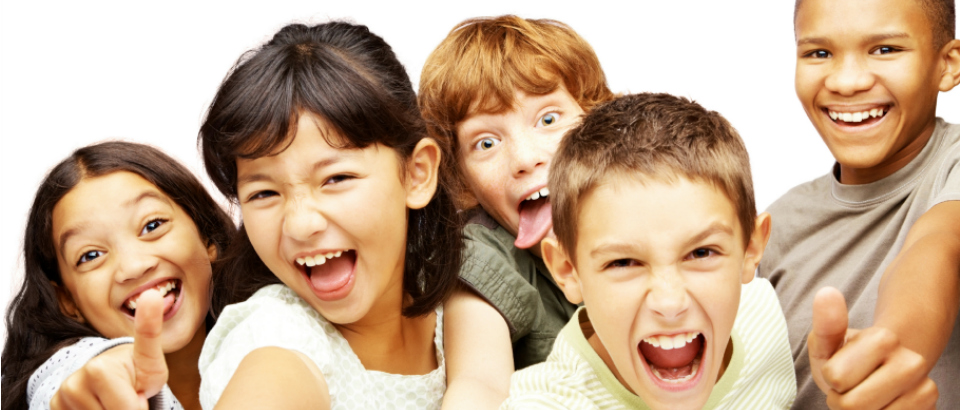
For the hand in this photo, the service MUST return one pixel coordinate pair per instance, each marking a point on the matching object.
(863, 369)
(124, 376)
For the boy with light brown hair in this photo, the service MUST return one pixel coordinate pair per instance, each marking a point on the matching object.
(658, 237)
(503, 91)
(884, 226)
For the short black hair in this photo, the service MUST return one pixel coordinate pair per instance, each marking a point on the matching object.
(941, 13)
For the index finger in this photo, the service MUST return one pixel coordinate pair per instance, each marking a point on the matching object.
(148, 359)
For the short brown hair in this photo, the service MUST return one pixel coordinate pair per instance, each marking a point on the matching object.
(942, 15)
(481, 64)
(658, 136)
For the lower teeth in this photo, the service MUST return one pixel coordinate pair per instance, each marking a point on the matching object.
(694, 366)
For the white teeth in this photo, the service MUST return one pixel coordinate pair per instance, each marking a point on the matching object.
(856, 116)
(315, 260)
(542, 193)
(672, 342)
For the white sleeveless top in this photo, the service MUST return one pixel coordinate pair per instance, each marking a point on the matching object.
(276, 316)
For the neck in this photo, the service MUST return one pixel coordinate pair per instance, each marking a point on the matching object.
(860, 176)
(184, 375)
(385, 340)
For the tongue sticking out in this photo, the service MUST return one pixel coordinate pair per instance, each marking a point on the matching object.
(535, 222)
(672, 363)
(333, 274)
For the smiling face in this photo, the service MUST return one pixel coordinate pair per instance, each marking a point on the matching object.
(118, 235)
(868, 77)
(330, 223)
(505, 158)
(659, 267)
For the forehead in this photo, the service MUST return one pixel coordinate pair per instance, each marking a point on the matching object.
(102, 198)
(656, 212)
(861, 17)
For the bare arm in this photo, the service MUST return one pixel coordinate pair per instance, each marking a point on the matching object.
(479, 354)
(920, 291)
(919, 296)
(273, 377)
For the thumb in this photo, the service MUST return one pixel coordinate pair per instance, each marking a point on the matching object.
(148, 360)
(828, 331)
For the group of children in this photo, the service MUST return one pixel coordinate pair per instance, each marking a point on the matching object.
(513, 235)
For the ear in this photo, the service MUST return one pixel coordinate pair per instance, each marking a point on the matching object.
(950, 76)
(212, 252)
(562, 269)
(754, 251)
(421, 178)
(67, 305)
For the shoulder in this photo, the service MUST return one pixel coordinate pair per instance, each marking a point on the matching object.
(273, 316)
(802, 195)
(564, 381)
(767, 374)
(46, 380)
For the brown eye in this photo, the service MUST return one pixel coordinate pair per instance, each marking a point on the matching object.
(151, 226)
(89, 256)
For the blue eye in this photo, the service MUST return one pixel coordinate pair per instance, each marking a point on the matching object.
(549, 119)
(89, 256)
(487, 143)
(152, 226)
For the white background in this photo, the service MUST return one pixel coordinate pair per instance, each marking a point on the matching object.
(74, 73)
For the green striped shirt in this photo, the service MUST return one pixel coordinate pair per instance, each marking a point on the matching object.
(759, 376)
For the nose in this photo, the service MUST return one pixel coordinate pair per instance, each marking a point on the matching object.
(667, 298)
(527, 153)
(849, 76)
(135, 261)
(303, 219)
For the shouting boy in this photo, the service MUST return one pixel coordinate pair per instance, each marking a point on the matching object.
(658, 236)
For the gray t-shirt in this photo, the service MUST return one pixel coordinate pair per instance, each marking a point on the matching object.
(829, 234)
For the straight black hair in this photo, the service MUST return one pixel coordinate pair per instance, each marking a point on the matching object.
(36, 328)
(350, 78)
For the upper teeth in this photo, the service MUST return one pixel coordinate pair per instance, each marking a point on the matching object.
(318, 259)
(672, 342)
(542, 193)
(163, 288)
(856, 116)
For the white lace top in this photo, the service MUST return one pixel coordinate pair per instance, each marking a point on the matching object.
(276, 316)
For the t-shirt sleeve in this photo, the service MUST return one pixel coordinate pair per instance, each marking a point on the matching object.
(46, 380)
(949, 189)
(494, 274)
(271, 317)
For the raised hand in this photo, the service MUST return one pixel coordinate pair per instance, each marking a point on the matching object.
(863, 369)
(124, 376)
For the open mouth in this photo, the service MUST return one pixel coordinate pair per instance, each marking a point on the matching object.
(169, 291)
(858, 118)
(330, 273)
(535, 219)
(674, 360)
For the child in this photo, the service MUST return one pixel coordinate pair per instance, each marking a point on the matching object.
(350, 239)
(109, 224)
(882, 227)
(656, 231)
(501, 92)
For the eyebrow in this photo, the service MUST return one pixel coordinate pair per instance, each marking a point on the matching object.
(148, 194)
(257, 177)
(870, 39)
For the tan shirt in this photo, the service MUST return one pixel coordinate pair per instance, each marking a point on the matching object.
(829, 234)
